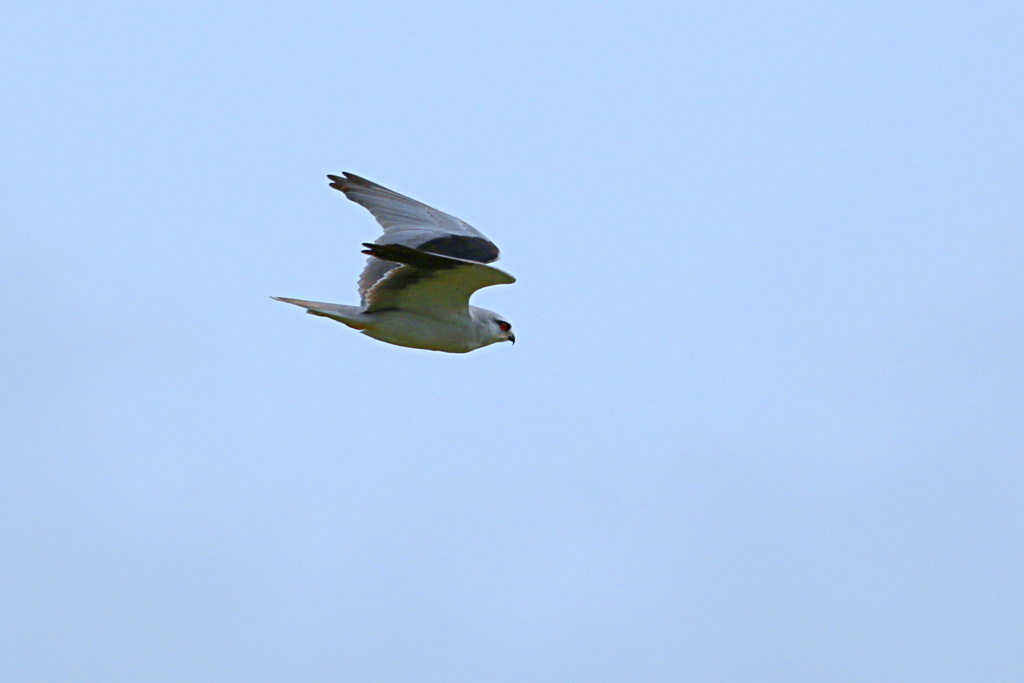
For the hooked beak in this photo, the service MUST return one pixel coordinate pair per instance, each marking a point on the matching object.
(512, 338)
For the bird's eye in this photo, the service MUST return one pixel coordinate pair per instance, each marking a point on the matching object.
(504, 326)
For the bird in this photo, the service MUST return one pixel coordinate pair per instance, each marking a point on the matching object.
(420, 274)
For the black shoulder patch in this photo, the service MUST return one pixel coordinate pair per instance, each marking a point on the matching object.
(459, 246)
(398, 253)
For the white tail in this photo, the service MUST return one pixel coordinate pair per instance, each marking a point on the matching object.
(349, 315)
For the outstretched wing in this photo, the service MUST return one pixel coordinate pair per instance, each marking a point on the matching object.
(412, 224)
(428, 284)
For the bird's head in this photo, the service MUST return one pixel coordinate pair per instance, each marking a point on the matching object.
(496, 328)
(505, 329)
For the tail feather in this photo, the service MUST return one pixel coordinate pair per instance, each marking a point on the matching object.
(349, 315)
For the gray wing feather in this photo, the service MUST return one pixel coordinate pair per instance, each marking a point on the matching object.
(403, 218)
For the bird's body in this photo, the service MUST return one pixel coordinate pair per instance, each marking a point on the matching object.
(421, 272)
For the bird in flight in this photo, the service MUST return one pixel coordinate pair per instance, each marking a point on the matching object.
(416, 285)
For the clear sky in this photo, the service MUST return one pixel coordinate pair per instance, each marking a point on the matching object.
(764, 420)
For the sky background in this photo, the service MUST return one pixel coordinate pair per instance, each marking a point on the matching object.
(764, 420)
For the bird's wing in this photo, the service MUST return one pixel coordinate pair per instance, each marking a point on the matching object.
(412, 224)
(428, 284)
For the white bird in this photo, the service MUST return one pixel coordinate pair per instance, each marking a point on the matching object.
(421, 272)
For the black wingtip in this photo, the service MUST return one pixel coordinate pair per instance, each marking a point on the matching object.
(337, 183)
(345, 183)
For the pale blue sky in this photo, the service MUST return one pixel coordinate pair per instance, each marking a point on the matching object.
(764, 420)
